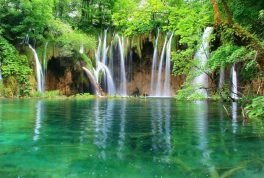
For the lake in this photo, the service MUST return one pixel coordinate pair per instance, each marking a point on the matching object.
(149, 137)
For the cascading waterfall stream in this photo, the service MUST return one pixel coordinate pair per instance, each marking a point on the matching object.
(221, 78)
(45, 65)
(39, 72)
(154, 66)
(166, 88)
(160, 85)
(81, 51)
(92, 80)
(122, 88)
(103, 74)
(201, 55)
(234, 83)
(0, 71)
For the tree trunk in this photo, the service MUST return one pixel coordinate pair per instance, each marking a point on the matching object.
(228, 12)
(217, 15)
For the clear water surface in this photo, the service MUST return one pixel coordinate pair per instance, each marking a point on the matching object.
(127, 138)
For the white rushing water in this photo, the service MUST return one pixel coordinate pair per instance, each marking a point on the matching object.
(39, 72)
(81, 49)
(166, 88)
(154, 66)
(221, 78)
(202, 55)
(92, 80)
(114, 83)
(122, 87)
(0, 71)
(234, 83)
(160, 79)
(45, 65)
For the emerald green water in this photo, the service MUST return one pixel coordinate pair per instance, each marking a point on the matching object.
(126, 138)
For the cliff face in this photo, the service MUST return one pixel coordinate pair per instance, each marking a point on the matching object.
(141, 79)
(66, 76)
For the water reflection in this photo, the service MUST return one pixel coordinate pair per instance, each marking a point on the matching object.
(202, 132)
(161, 126)
(122, 134)
(103, 112)
(234, 117)
(39, 113)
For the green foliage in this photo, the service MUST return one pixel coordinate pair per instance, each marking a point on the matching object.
(188, 20)
(255, 109)
(83, 96)
(15, 69)
(246, 13)
(228, 54)
(189, 92)
(48, 94)
(71, 42)
(87, 60)
(25, 17)
(133, 19)
(183, 61)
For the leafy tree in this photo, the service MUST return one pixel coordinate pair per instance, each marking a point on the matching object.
(15, 70)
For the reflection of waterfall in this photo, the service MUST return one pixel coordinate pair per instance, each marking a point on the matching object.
(160, 85)
(122, 135)
(103, 123)
(39, 112)
(161, 127)
(202, 132)
(39, 72)
(234, 116)
(234, 83)
(202, 55)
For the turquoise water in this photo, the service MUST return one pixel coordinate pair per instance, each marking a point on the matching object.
(127, 138)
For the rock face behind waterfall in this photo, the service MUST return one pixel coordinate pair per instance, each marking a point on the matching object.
(66, 76)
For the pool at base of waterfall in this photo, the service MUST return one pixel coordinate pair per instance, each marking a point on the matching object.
(124, 137)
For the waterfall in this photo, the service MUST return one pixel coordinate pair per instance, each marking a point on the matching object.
(109, 72)
(122, 88)
(101, 67)
(221, 78)
(160, 82)
(202, 56)
(39, 73)
(154, 65)
(92, 80)
(234, 83)
(81, 49)
(0, 71)
(166, 88)
(45, 64)
(158, 86)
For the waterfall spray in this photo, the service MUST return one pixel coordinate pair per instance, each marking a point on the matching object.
(154, 66)
(160, 85)
(166, 88)
(0, 71)
(234, 83)
(202, 54)
(39, 72)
